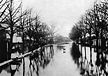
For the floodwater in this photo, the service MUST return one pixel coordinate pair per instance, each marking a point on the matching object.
(61, 65)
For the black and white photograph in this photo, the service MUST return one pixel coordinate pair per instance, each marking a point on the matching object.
(53, 37)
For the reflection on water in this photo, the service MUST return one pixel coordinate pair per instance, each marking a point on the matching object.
(82, 59)
(75, 53)
(61, 64)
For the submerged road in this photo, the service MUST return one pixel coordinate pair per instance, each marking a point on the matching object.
(61, 65)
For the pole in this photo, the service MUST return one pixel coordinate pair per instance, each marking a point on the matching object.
(85, 45)
(23, 60)
(90, 47)
(82, 54)
(7, 50)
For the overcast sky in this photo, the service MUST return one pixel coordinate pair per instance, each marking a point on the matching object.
(61, 13)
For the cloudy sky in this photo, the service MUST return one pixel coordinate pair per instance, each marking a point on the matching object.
(60, 13)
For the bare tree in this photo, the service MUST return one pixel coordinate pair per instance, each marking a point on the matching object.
(95, 29)
(11, 19)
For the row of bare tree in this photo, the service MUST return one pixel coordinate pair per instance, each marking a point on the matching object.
(92, 30)
(33, 32)
(93, 25)
(24, 24)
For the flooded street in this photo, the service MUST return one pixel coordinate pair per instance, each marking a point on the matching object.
(61, 65)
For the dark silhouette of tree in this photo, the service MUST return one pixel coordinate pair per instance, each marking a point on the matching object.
(33, 31)
(75, 33)
(11, 19)
(3, 41)
(95, 29)
(38, 33)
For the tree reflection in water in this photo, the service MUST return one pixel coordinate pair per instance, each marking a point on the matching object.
(75, 53)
